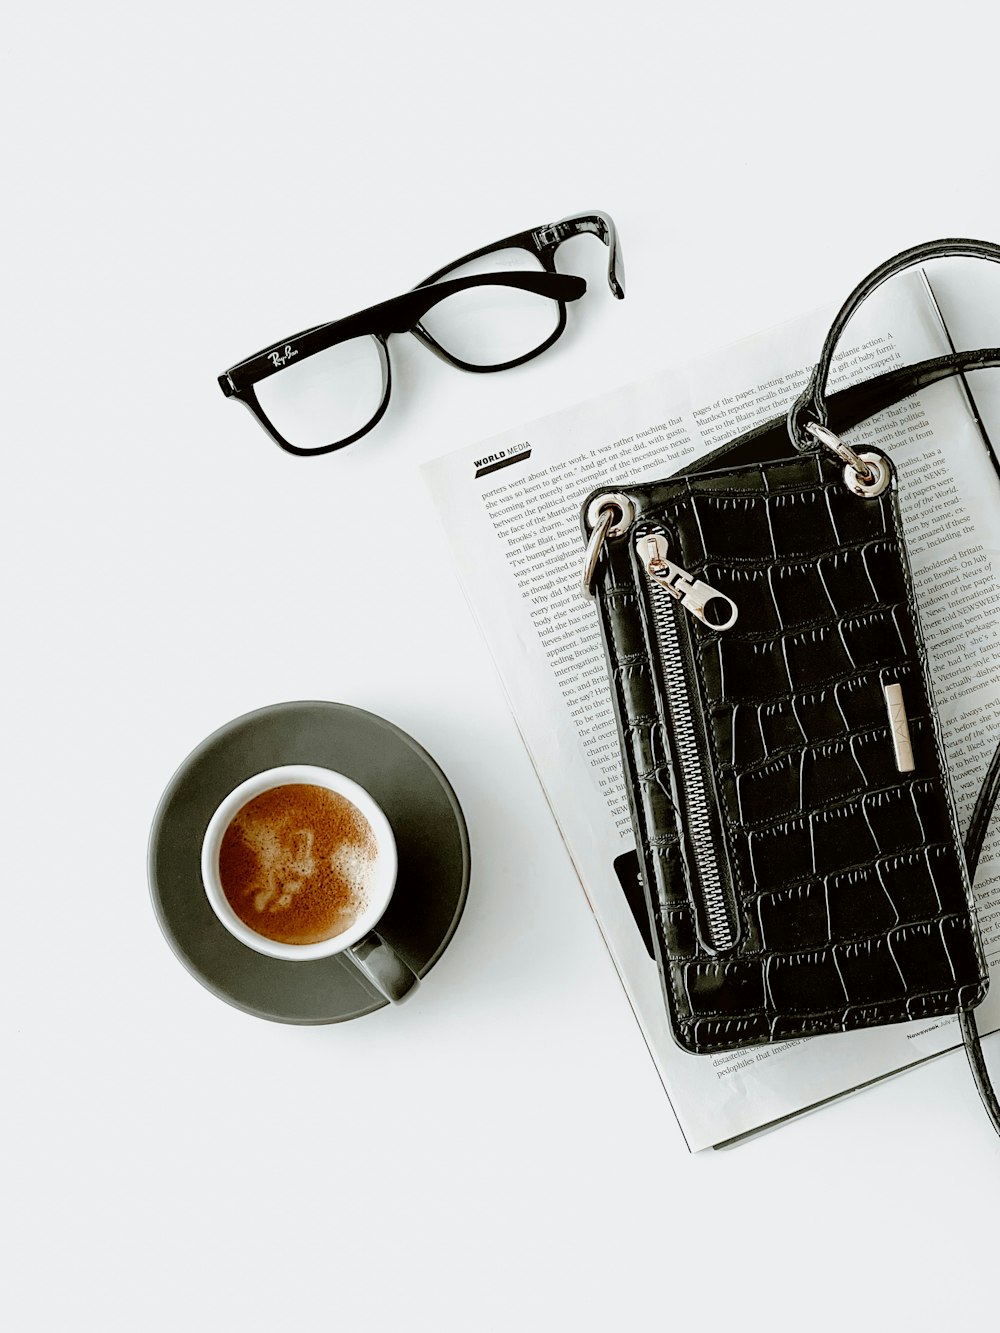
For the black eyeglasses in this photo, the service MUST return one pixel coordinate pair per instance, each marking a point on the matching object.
(321, 389)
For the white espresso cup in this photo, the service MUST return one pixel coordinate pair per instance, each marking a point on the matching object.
(360, 941)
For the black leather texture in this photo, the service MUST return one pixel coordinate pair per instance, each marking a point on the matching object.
(845, 878)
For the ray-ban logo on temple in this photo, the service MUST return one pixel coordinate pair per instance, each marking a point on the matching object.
(282, 356)
(489, 310)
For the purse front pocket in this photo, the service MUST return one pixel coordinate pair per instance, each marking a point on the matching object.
(672, 595)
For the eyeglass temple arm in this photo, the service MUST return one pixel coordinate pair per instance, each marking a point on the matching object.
(598, 224)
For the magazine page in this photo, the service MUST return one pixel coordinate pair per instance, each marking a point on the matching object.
(510, 508)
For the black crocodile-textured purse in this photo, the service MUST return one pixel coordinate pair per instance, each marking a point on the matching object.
(794, 821)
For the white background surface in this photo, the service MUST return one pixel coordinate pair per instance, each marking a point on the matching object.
(183, 185)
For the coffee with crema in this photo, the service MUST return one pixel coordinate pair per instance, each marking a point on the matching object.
(295, 863)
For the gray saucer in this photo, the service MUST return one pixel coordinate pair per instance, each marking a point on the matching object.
(419, 803)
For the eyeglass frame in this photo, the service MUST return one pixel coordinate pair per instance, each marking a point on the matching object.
(402, 314)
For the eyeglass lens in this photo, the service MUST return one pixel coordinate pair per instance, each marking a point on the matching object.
(328, 397)
(492, 326)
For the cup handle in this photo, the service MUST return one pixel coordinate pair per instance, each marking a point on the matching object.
(383, 967)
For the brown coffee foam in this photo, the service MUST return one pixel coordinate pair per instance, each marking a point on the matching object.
(295, 863)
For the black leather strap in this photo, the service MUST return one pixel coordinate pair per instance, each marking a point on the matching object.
(985, 805)
(811, 405)
(848, 407)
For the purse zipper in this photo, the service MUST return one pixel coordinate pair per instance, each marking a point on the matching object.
(671, 587)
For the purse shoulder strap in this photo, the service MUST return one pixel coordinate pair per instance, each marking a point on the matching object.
(811, 405)
(849, 407)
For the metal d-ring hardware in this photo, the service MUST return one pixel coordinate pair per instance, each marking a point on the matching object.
(608, 515)
(873, 465)
(865, 474)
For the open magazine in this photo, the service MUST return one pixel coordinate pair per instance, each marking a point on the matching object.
(511, 510)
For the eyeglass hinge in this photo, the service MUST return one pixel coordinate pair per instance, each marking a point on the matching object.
(549, 235)
(227, 386)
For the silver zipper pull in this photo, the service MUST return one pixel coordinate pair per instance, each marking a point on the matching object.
(707, 604)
